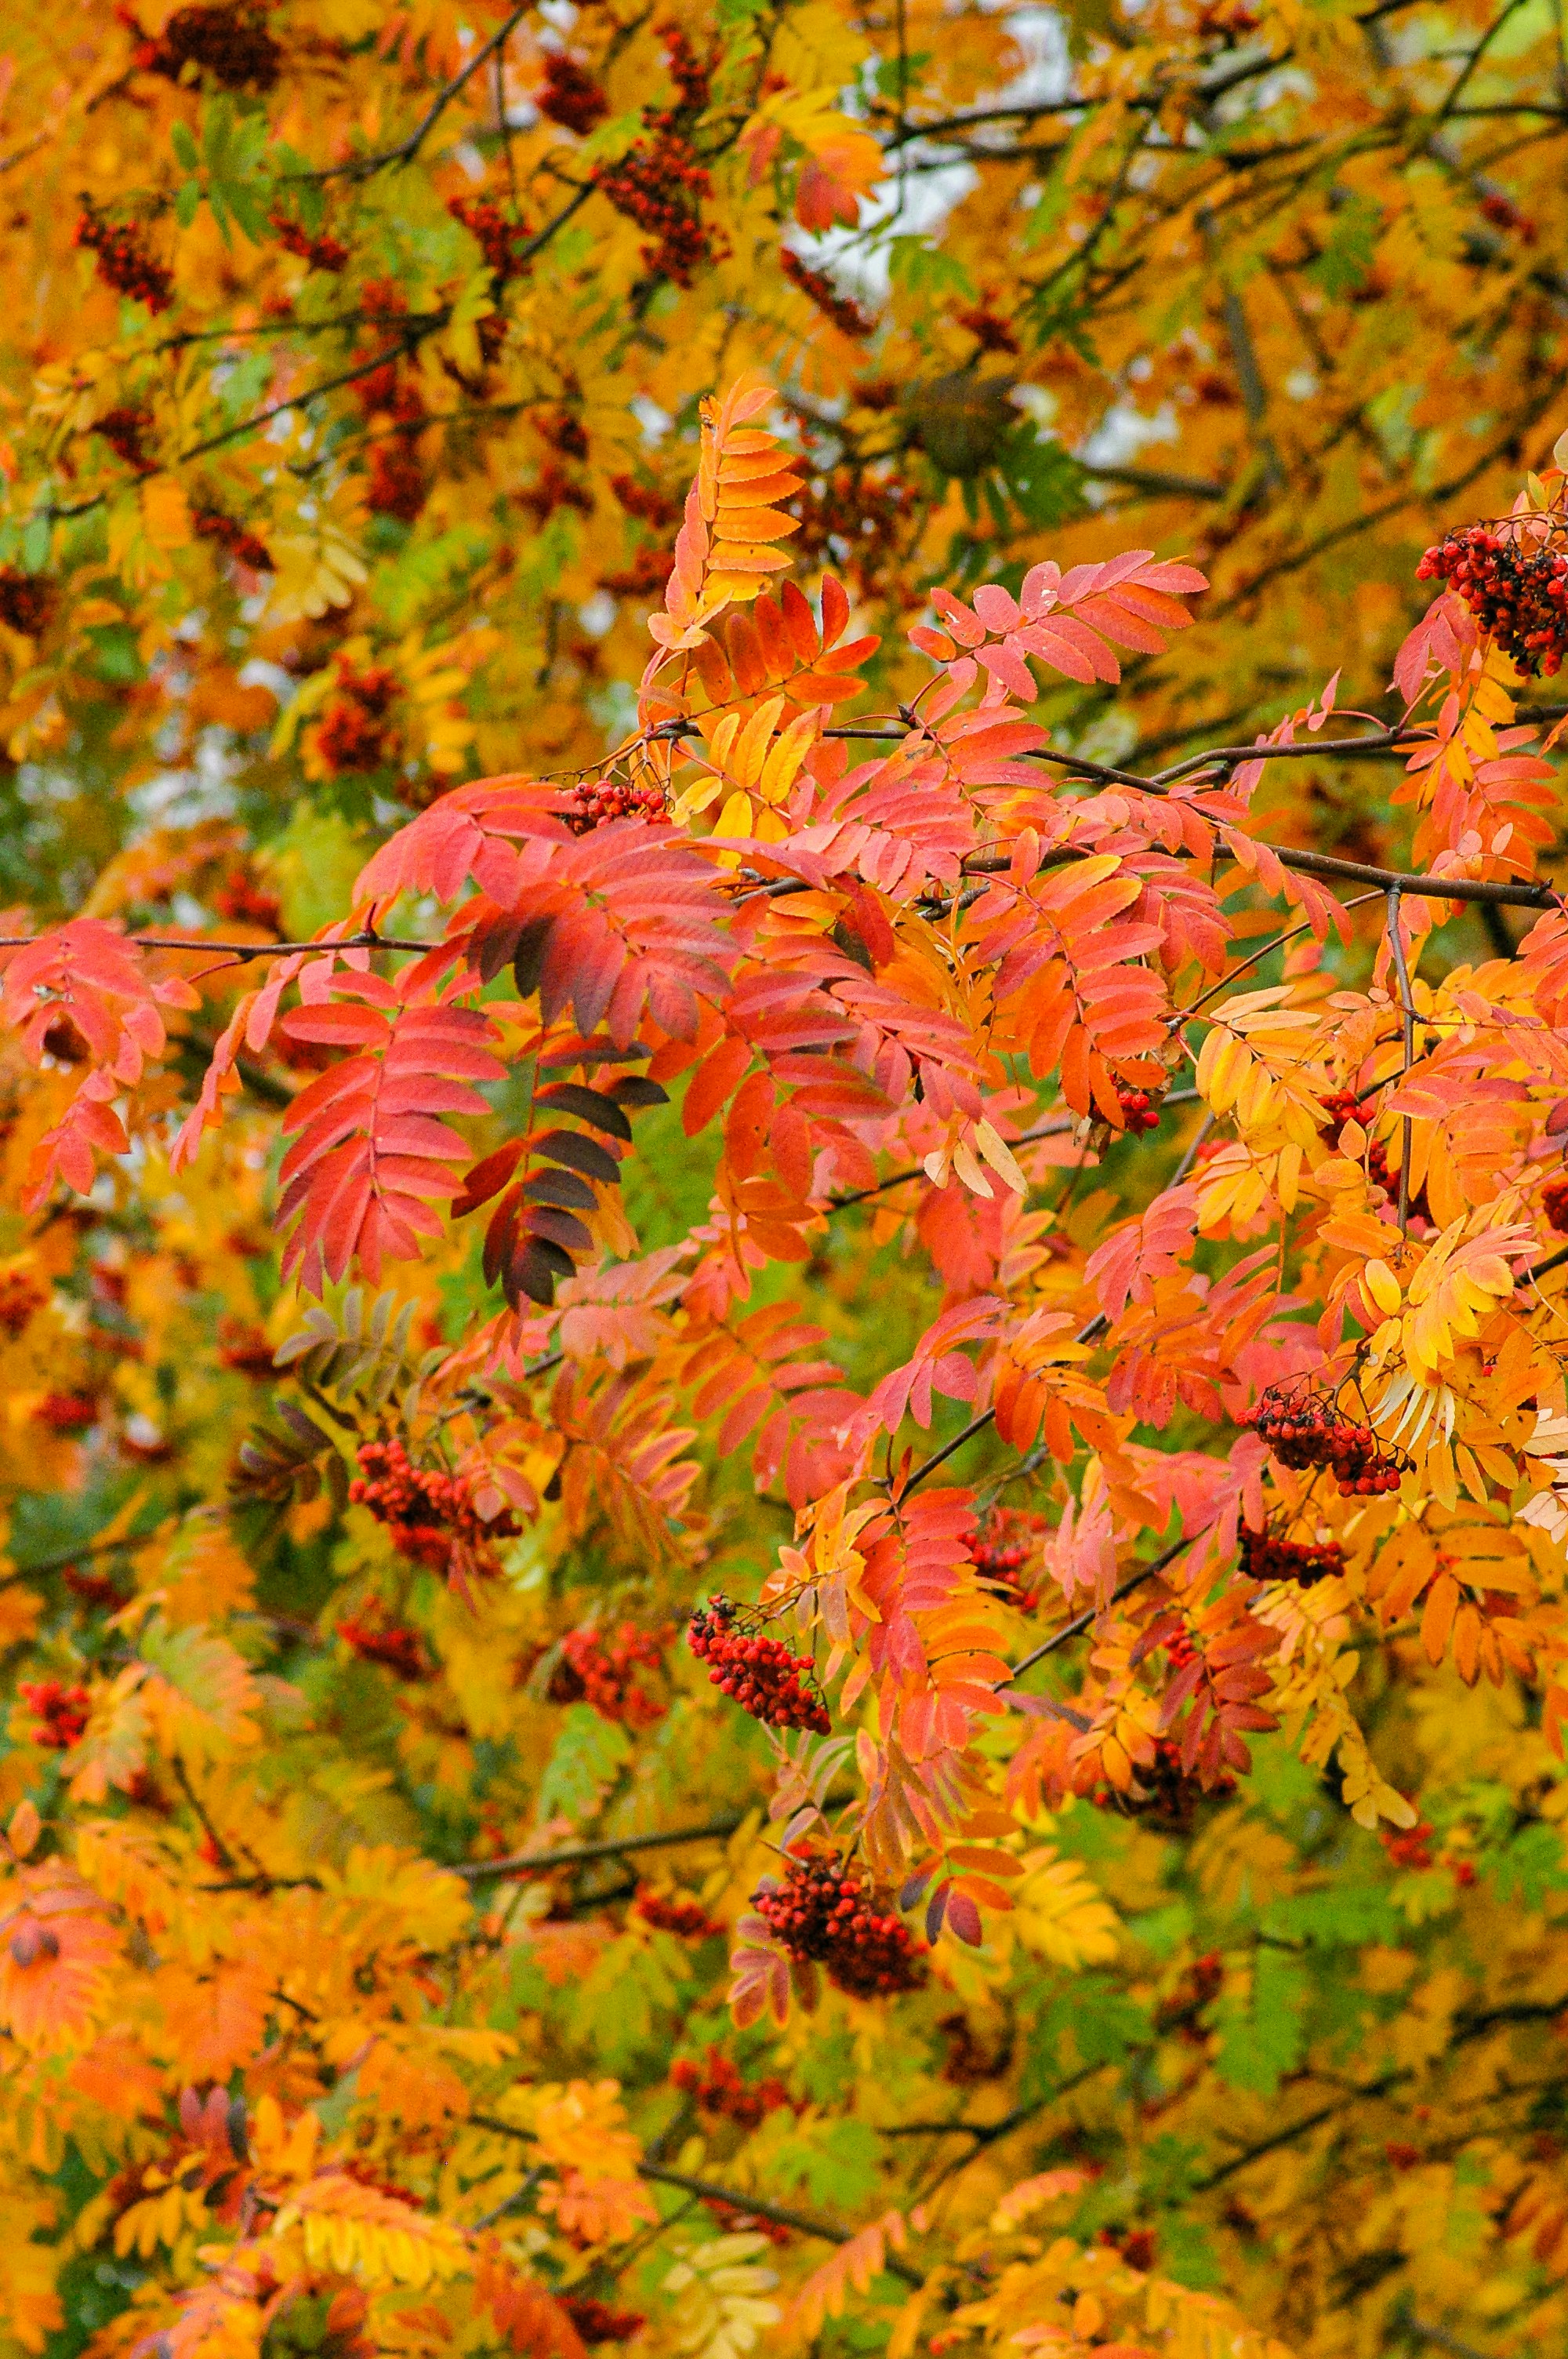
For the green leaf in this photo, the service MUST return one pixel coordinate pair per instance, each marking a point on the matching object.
(921, 269)
(1338, 1916)
(836, 2162)
(1261, 2039)
(187, 154)
(588, 1751)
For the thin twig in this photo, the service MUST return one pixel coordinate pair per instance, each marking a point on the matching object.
(783, 2215)
(537, 1863)
(361, 168)
(1072, 1629)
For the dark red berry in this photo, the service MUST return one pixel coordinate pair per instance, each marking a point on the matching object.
(427, 1512)
(1511, 577)
(1266, 1558)
(607, 800)
(764, 1678)
(824, 1911)
(59, 1713)
(600, 1668)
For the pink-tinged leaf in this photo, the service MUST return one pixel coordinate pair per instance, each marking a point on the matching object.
(963, 1918)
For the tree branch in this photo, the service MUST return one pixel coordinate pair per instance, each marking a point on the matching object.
(536, 1863)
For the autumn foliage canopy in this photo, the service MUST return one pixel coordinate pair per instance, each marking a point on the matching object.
(784, 1159)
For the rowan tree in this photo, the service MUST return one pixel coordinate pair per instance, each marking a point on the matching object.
(782, 1306)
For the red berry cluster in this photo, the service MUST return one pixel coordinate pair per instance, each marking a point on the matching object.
(570, 95)
(1517, 593)
(642, 501)
(600, 1668)
(27, 600)
(1006, 1543)
(859, 520)
(233, 537)
(691, 76)
(610, 799)
(1198, 1987)
(238, 898)
(1167, 1794)
(596, 2323)
(1266, 1558)
(67, 1412)
(775, 1687)
(990, 331)
(643, 578)
(59, 1713)
(846, 316)
(1303, 1428)
(231, 44)
(391, 1644)
(20, 1296)
(122, 429)
(1408, 1846)
(500, 241)
(676, 1913)
(245, 1348)
(319, 248)
(717, 2088)
(1554, 1204)
(397, 484)
(824, 1910)
(1140, 1112)
(1503, 213)
(95, 1589)
(662, 186)
(424, 1510)
(353, 735)
(124, 262)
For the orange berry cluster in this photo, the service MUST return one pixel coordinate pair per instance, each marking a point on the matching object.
(391, 1644)
(124, 262)
(676, 1913)
(846, 316)
(320, 249)
(232, 539)
(1304, 1427)
(600, 1669)
(353, 735)
(1554, 1204)
(1518, 593)
(608, 799)
(717, 2088)
(1264, 1558)
(824, 1911)
(425, 1511)
(760, 1674)
(570, 95)
(59, 1713)
(1001, 1548)
(1140, 1112)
